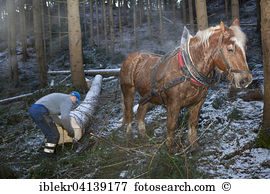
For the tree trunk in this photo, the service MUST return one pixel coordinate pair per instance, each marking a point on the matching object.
(111, 27)
(105, 26)
(190, 8)
(12, 54)
(265, 29)
(59, 26)
(125, 12)
(75, 45)
(140, 12)
(102, 20)
(91, 23)
(120, 23)
(258, 12)
(134, 23)
(227, 12)
(41, 61)
(97, 24)
(50, 31)
(148, 20)
(235, 9)
(43, 5)
(160, 22)
(23, 30)
(84, 21)
(82, 115)
(174, 14)
(201, 12)
(184, 12)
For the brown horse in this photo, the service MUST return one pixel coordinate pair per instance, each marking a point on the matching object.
(219, 47)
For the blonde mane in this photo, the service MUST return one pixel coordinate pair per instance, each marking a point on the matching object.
(204, 35)
(239, 36)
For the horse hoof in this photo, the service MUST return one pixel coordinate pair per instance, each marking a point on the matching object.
(143, 136)
(142, 133)
(129, 134)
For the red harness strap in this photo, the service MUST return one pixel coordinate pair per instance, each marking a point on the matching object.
(181, 64)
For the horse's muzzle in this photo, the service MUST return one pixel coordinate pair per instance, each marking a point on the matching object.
(242, 81)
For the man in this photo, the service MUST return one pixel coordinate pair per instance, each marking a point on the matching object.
(45, 114)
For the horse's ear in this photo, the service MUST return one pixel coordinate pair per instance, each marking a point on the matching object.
(236, 22)
(222, 27)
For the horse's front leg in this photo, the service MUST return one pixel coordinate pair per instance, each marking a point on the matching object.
(173, 109)
(193, 122)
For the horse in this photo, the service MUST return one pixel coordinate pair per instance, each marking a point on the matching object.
(182, 78)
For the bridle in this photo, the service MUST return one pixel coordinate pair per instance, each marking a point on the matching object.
(229, 69)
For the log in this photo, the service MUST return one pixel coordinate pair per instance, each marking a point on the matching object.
(93, 72)
(81, 116)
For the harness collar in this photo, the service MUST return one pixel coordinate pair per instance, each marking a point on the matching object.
(181, 64)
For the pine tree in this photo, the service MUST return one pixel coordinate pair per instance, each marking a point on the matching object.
(75, 45)
(41, 59)
(105, 25)
(190, 8)
(265, 30)
(23, 36)
(201, 12)
(160, 22)
(91, 23)
(111, 27)
(184, 12)
(235, 9)
(12, 53)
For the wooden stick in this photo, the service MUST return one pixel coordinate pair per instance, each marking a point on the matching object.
(15, 98)
(93, 72)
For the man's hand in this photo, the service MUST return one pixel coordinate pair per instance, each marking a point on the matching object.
(70, 133)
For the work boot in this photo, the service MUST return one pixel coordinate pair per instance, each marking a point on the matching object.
(49, 151)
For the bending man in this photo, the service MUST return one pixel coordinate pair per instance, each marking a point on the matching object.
(45, 113)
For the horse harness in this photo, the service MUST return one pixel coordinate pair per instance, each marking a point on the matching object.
(190, 72)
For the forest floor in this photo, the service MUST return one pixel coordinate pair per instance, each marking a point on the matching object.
(227, 130)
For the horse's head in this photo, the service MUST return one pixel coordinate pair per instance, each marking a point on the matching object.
(231, 57)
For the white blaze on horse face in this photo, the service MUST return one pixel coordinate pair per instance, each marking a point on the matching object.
(239, 38)
(239, 44)
(241, 80)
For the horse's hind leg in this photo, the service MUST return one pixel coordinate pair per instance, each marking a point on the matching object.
(140, 116)
(173, 109)
(128, 95)
(193, 121)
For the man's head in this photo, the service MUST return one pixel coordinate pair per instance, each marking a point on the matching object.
(75, 97)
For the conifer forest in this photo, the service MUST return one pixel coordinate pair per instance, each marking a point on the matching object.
(60, 46)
